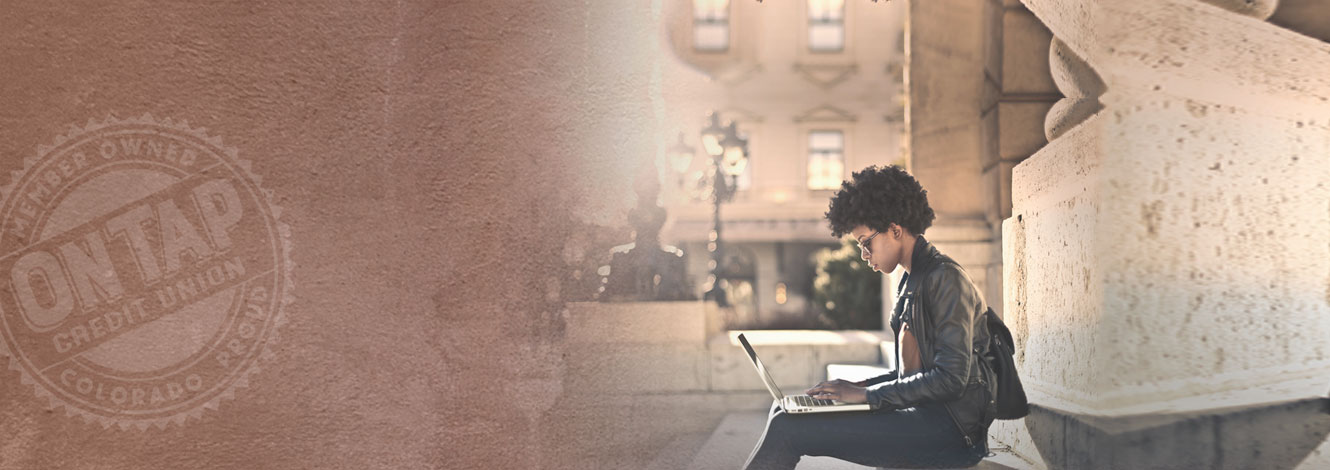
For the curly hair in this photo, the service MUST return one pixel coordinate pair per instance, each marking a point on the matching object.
(877, 197)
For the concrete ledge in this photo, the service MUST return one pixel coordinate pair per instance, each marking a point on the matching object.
(637, 322)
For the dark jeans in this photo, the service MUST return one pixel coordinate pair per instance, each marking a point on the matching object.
(919, 437)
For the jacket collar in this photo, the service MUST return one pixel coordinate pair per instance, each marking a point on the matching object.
(924, 257)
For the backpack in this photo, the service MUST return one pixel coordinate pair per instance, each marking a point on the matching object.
(1011, 401)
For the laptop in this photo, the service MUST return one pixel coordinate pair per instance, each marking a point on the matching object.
(797, 403)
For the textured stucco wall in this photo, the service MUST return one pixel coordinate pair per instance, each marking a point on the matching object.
(944, 79)
(1052, 303)
(431, 160)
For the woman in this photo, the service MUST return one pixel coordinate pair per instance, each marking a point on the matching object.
(935, 409)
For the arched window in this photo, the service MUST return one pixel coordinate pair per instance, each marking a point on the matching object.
(711, 25)
(826, 25)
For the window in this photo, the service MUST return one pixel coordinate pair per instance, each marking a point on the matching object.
(826, 25)
(826, 159)
(711, 25)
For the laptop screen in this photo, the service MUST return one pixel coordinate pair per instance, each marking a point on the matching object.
(762, 371)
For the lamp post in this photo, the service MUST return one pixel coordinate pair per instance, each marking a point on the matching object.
(728, 152)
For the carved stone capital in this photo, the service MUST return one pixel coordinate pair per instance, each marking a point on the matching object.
(1080, 86)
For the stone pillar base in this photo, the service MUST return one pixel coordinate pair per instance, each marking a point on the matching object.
(1290, 435)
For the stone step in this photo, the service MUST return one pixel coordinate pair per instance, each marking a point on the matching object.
(679, 452)
(632, 430)
(731, 442)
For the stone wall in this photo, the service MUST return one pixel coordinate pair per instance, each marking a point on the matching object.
(1191, 201)
(1166, 262)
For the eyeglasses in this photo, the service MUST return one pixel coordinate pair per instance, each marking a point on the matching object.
(865, 245)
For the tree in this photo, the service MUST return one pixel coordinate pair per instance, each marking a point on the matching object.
(847, 290)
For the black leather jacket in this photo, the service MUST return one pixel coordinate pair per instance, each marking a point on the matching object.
(944, 310)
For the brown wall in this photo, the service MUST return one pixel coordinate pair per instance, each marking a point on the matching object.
(429, 158)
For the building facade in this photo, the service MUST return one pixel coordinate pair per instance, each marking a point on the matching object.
(816, 86)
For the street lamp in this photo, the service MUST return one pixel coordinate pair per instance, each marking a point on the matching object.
(712, 135)
(735, 157)
(729, 156)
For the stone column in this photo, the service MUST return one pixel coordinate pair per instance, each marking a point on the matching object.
(979, 87)
(1168, 257)
(1020, 90)
(944, 80)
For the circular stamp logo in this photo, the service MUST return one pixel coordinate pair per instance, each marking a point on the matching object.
(143, 272)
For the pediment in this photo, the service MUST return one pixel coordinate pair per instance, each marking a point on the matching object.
(826, 113)
(826, 75)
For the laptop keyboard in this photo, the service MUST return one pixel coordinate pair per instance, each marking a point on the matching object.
(805, 400)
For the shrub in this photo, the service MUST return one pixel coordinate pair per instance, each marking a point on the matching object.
(846, 290)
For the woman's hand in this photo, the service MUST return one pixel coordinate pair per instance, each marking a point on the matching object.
(839, 390)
